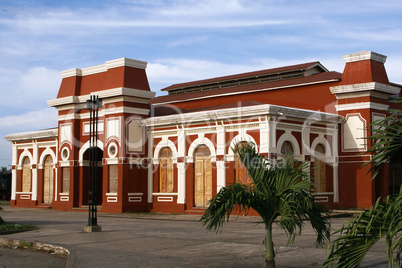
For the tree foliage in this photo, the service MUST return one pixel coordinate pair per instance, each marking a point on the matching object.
(384, 218)
(280, 191)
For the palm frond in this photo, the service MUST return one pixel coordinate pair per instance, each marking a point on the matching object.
(233, 198)
(362, 232)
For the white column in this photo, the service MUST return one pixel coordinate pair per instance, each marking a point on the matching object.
(150, 165)
(306, 150)
(55, 171)
(264, 137)
(335, 162)
(35, 171)
(14, 171)
(181, 167)
(220, 165)
(272, 135)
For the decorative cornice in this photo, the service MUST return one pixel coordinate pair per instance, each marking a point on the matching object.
(392, 90)
(104, 67)
(107, 93)
(32, 135)
(256, 110)
(361, 105)
(103, 112)
(364, 55)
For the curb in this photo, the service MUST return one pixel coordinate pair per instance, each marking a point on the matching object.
(40, 247)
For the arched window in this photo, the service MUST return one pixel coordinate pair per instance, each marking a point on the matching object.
(319, 169)
(241, 170)
(287, 148)
(166, 182)
(202, 176)
(48, 180)
(26, 175)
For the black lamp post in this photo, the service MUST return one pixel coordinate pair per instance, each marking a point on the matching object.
(93, 105)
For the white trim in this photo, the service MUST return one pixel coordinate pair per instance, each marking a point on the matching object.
(242, 136)
(24, 154)
(328, 149)
(365, 87)
(104, 67)
(255, 110)
(112, 199)
(165, 142)
(13, 184)
(361, 105)
(64, 198)
(107, 93)
(287, 136)
(45, 153)
(84, 148)
(165, 199)
(364, 55)
(165, 194)
(32, 135)
(201, 140)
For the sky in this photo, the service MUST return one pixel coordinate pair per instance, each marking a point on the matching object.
(182, 40)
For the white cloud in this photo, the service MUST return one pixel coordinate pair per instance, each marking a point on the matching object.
(29, 89)
(31, 120)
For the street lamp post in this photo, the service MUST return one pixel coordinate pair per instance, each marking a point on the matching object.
(93, 105)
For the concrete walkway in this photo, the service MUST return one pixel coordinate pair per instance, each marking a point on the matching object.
(155, 240)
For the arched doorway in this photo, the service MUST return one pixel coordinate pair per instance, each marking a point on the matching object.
(166, 183)
(99, 173)
(319, 169)
(48, 180)
(202, 176)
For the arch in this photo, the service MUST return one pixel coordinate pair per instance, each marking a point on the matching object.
(324, 142)
(287, 148)
(44, 154)
(85, 147)
(201, 141)
(24, 154)
(162, 144)
(287, 136)
(240, 138)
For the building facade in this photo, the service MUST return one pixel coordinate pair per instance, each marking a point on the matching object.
(173, 153)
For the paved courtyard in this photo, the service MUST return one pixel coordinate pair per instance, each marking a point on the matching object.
(155, 240)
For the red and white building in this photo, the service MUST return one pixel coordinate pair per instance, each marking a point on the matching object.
(173, 153)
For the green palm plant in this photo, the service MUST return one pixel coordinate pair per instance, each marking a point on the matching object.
(279, 192)
(384, 218)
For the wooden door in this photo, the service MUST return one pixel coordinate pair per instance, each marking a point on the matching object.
(48, 180)
(202, 177)
(166, 183)
(319, 169)
(26, 175)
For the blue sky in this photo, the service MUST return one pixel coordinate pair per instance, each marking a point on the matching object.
(182, 40)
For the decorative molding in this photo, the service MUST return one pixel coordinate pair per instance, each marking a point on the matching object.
(104, 67)
(242, 112)
(392, 90)
(364, 55)
(361, 105)
(33, 135)
(107, 93)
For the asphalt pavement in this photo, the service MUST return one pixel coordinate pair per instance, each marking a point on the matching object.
(160, 240)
